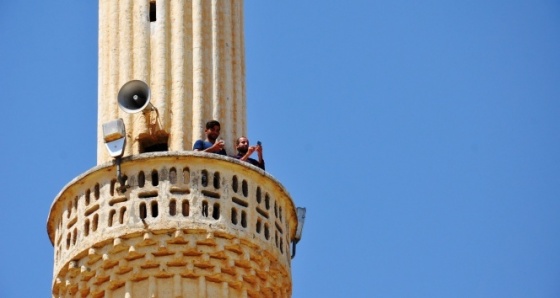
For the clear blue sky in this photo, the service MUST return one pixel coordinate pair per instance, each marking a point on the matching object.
(422, 137)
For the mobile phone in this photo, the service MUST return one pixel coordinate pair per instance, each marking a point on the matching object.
(259, 143)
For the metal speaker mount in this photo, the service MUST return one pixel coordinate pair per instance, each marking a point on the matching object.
(134, 96)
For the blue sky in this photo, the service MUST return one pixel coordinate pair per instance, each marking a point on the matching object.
(422, 137)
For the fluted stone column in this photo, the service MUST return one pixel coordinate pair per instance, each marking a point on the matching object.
(172, 223)
(191, 56)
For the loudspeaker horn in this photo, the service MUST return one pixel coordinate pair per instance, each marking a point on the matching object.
(134, 96)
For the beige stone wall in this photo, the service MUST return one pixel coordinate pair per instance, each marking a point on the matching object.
(193, 59)
(195, 223)
(188, 224)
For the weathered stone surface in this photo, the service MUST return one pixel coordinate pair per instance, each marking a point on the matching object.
(183, 223)
(193, 59)
(133, 245)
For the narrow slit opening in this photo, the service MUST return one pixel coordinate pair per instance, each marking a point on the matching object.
(186, 176)
(204, 178)
(234, 183)
(154, 208)
(121, 215)
(141, 179)
(173, 176)
(217, 180)
(86, 228)
(95, 221)
(243, 219)
(205, 209)
(234, 216)
(185, 209)
(244, 188)
(152, 11)
(111, 217)
(172, 208)
(155, 178)
(142, 210)
(216, 211)
(266, 232)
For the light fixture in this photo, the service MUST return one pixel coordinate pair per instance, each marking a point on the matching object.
(114, 136)
(299, 228)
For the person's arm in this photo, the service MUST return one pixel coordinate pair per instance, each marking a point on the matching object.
(259, 150)
(216, 147)
(198, 145)
(249, 152)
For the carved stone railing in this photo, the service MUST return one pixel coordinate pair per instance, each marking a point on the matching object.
(184, 218)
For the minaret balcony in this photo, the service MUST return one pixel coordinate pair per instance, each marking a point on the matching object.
(171, 206)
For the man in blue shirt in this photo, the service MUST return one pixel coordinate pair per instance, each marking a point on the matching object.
(210, 145)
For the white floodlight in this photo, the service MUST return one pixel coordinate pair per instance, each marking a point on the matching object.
(114, 135)
(301, 220)
(299, 229)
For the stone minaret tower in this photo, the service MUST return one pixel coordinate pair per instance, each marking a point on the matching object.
(165, 221)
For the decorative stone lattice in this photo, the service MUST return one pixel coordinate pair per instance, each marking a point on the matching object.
(188, 224)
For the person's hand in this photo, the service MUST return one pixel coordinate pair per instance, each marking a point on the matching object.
(258, 148)
(251, 150)
(218, 145)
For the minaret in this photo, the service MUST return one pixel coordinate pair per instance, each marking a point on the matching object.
(160, 220)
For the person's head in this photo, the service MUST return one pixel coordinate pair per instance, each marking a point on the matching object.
(212, 130)
(242, 145)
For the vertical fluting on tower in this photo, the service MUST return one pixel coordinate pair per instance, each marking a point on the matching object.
(191, 56)
(173, 222)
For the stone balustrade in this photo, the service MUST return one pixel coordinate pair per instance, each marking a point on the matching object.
(184, 218)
